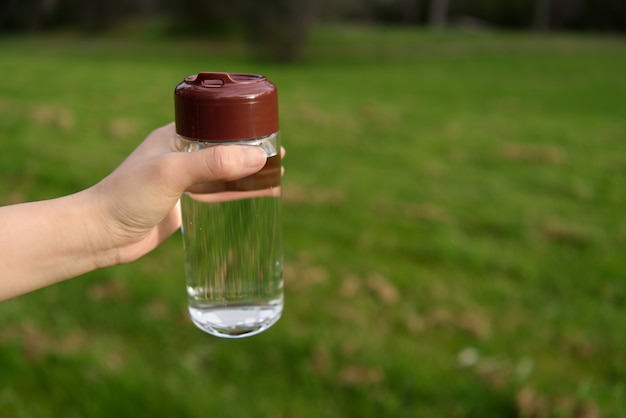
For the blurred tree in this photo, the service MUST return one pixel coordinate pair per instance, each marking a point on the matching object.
(25, 15)
(87, 15)
(405, 12)
(438, 16)
(277, 29)
(410, 11)
(608, 15)
(541, 18)
(508, 14)
(204, 17)
(95, 15)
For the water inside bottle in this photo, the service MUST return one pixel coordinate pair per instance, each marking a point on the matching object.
(233, 263)
(232, 241)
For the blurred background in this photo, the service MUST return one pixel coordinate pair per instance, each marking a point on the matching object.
(279, 28)
(454, 208)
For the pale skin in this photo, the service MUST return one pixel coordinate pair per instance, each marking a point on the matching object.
(116, 221)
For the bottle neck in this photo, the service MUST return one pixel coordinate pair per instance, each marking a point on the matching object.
(270, 143)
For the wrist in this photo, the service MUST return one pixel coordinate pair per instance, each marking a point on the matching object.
(98, 250)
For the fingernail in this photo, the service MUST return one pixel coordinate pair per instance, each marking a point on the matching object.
(254, 156)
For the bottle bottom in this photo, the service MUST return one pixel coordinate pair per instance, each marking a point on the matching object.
(235, 321)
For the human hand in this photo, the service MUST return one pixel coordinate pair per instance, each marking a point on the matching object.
(138, 203)
(118, 220)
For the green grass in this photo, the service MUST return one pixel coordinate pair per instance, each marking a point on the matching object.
(454, 217)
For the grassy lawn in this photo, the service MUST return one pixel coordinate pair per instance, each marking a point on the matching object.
(454, 219)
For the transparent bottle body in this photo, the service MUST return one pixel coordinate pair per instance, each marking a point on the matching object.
(232, 241)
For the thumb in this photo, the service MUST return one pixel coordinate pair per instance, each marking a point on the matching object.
(226, 162)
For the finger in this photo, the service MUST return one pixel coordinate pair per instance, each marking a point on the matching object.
(216, 163)
(282, 156)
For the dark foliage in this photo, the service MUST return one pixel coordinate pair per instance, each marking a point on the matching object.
(277, 29)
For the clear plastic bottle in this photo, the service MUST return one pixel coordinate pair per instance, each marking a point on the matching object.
(232, 230)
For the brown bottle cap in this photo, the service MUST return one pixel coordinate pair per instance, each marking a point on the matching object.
(226, 106)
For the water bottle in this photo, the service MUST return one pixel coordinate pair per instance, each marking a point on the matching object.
(232, 230)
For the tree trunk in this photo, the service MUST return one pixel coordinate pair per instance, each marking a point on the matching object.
(541, 19)
(278, 29)
(438, 17)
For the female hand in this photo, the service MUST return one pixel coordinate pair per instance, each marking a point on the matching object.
(139, 200)
(118, 220)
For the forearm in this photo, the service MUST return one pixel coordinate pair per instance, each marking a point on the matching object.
(46, 242)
